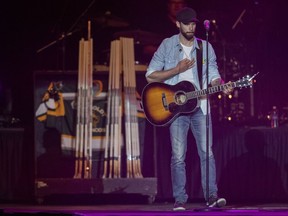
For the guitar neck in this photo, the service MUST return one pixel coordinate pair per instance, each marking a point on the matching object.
(210, 90)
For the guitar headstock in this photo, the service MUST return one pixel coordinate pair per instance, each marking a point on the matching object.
(246, 81)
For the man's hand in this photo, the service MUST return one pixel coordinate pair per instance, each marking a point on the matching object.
(185, 64)
(228, 88)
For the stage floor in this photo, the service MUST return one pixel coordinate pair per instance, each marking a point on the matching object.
(161, 209)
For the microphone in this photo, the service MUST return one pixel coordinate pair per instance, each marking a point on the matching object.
(207, 25)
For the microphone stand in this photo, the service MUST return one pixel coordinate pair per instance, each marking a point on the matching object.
(207, 118)
(63, 36)
(63, 48)
(207, 208)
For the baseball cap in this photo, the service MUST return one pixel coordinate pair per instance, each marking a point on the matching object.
(186, 15)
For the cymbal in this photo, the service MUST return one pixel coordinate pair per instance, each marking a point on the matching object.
(141, 37)
(110, 20)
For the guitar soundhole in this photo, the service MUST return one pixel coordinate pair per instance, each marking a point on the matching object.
(180, 98)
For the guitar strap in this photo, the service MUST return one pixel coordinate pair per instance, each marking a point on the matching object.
(199, 54)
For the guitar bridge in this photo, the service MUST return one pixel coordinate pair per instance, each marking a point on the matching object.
(164, 101)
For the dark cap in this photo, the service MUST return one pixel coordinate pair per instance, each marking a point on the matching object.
(186, 15)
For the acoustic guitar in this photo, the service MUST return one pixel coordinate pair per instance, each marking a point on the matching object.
(162, 103)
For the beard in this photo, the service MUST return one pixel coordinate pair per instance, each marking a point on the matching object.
(187, 36)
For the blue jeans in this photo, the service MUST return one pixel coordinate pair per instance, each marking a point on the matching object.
(178, 131)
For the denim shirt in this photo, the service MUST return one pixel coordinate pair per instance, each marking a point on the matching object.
(169, 53)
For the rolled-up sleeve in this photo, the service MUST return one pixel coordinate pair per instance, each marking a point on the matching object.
(158, 61)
